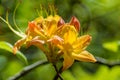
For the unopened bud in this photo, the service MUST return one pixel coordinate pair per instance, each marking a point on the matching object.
(61, 22)
(75, 22)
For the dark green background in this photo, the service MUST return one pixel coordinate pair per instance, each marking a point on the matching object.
(99, 18)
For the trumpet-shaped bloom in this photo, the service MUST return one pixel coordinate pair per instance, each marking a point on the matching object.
(44, 32)
(74, 47)
(40, 33)
(44, 28)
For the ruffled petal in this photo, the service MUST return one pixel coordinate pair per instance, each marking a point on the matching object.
(57, 18)
(18, 44)
(39, 19)
(84, 56)
(34, 30)
(36, 42)
(68, 61)
(52, 27)
(70, 36)
(81, 43)
(57, 41)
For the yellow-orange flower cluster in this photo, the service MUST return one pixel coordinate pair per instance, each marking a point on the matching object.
(57, 38)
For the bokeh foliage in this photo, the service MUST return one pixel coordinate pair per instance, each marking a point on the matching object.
(99, 18)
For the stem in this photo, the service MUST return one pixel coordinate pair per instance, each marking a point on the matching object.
(107, 62)
(27, 69)
(58, 74)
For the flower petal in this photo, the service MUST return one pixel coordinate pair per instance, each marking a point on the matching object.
(39, 19)
(34, 30)
(68, 61)
(84, 56)
(52, 27)
(57, 41)
(36, 42)
(57, 18)
(81, 43)
(70, 37)
(18, 44)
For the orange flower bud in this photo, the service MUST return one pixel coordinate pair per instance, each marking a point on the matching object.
(61, 22)
(75, 22)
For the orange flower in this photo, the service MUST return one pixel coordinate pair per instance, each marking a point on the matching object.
(74, 48)
(40, 33)
(44, 32)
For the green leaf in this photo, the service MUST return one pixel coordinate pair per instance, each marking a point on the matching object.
(112, 46)
(3, 61)
(22, 57)
(8, 47)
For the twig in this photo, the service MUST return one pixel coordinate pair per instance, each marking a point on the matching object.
(37, 64)
(56, 76)
(27, 70)
(58, 73)
(107, 62)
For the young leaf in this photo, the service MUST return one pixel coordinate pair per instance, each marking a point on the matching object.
(8, 47)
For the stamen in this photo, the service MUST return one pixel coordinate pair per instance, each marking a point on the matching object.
(14, 18)
(10, 27)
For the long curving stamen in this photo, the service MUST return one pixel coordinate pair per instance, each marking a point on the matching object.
(10, 27)
(14, 18)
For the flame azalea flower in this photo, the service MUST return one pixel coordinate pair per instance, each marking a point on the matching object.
(44, 32)
(44, 28)
(55, 38)
(74, 48)
(39, 32)
(40, 27)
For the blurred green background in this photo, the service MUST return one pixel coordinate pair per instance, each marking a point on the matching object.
(99, 18)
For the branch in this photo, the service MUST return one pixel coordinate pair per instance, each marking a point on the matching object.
(58, 73)
(56, 76)
(27, 69)
(107, 62)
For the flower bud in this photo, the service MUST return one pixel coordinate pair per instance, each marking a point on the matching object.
(60, 22)
(74, 21)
